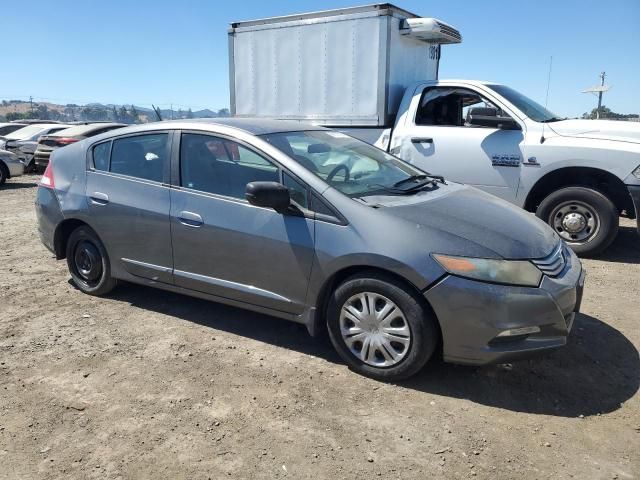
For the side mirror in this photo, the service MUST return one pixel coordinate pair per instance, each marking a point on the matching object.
(488, 117)
(268, 194)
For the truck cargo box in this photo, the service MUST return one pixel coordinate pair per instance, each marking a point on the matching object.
(345, 67)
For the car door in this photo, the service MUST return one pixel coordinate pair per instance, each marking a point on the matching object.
(442, 140)
(226, 247)
(128, 197)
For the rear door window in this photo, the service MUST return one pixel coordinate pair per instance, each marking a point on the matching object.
(140, 156)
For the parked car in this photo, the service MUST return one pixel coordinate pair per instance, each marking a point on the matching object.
(23, 142)
(7, 128)
(10, 166)
(48, 143)
(393, 261)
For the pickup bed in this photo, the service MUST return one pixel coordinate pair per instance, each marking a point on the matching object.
(577, 175)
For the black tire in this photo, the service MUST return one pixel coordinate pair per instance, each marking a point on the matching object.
(4, 173)
(587, 202)
(424, 334)
(88, 262)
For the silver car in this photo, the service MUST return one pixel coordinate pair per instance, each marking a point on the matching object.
(10, 166)
(316, 227)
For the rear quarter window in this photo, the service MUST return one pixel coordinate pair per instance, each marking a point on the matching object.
(101, 156)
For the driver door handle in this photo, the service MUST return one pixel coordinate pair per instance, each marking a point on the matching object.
(190, 219)
(421, 140)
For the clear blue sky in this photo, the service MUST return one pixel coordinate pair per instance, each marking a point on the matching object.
(167, 51)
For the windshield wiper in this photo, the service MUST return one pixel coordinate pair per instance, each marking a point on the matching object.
(421, 176)
(553, 119)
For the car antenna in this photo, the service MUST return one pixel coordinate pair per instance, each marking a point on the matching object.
(546, 100)
(157, 110)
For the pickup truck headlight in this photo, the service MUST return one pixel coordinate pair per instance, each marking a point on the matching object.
(636, 172)
(509, 272)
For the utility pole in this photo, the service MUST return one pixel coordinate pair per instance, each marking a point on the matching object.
(602, 75)
(31, 103)
(599, 90)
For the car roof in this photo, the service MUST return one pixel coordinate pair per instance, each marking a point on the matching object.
(84, 129)
(255, 126)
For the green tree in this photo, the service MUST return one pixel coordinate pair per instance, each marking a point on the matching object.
(15, 116)
(223, 112)
(189, 113)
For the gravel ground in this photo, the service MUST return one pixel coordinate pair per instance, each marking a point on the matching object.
(148, 384)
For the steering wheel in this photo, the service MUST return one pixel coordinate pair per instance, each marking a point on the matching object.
(336, 169)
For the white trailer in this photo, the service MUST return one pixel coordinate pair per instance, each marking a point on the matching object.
(345, 67)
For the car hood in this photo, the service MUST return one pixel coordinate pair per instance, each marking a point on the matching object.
(598, 129)
(474, 222)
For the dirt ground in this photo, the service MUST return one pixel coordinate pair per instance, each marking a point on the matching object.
(148, 384)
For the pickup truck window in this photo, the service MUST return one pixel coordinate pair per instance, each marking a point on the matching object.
(351, 166)
(453, 107)
(531, 109)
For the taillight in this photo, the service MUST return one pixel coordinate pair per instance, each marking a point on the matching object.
(65, 140)
(47, 176)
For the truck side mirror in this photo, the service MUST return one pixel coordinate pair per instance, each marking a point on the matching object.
(488, 117)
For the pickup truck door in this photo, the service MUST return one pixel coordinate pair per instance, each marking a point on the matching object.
(441, 139)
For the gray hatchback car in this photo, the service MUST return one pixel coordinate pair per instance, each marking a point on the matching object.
(313, 226)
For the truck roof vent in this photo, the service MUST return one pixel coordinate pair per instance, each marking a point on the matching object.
(430, 30)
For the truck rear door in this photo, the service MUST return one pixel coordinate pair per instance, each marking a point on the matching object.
(443, 139)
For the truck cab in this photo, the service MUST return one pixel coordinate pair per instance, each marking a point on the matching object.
(578, 175)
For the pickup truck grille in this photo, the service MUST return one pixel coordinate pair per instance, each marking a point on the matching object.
(553, 264)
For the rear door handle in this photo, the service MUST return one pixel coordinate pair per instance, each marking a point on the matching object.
(99, 198)
(422, 140)
(190, 219)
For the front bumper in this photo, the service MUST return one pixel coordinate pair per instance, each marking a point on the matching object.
(634, 191)
(472, 314)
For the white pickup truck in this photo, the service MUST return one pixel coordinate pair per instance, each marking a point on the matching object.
(372, 72)
(577, 175)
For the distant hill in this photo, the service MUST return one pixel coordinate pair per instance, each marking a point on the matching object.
(17, 109)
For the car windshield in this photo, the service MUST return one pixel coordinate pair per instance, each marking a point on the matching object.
(531, 109)
(26, 132)
(355, 168)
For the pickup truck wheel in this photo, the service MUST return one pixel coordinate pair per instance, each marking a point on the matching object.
(380, 329)
(88, 262)
(4, 173)
(584, 218)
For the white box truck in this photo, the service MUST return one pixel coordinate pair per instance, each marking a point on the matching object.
(372, 72)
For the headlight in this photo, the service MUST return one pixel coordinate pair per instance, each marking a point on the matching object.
(510, 272)
(636, 172)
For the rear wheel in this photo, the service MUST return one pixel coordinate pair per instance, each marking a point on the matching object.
(584, 218)
(380, 329)
(88, 262)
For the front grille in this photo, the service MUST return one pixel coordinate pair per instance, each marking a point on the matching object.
(553, 264)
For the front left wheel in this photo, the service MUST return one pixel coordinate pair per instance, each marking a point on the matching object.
(380, 328)
(88, 262)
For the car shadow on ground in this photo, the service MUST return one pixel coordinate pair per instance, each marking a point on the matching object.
(597, 371)
(9, 185)
(625, 248)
